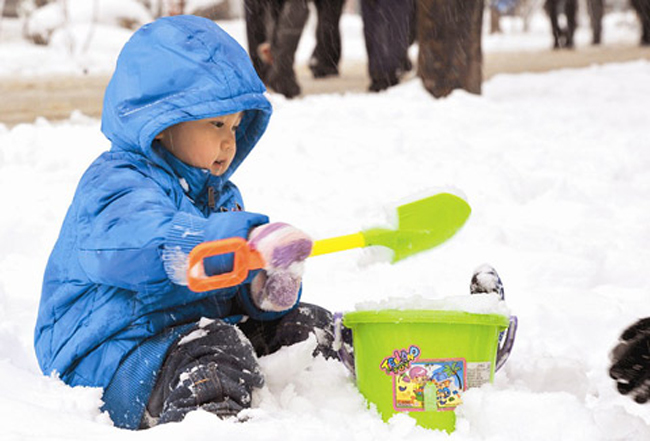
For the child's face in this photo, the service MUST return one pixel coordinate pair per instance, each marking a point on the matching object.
(205, 143)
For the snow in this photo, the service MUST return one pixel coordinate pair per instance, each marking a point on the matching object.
(51, 19)
(192, 5)
(555, 166)
(194, 335)
(475, 304)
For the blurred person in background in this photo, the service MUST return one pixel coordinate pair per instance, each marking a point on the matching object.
(596, 9)
(642, 8)
(274, 28)
(562, 36)
(389, 29)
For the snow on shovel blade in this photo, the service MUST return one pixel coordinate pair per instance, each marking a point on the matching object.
(422, 225)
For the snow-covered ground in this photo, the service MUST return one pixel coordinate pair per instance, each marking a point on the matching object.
(556, 167)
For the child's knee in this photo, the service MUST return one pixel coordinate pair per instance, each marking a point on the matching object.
(214, 368)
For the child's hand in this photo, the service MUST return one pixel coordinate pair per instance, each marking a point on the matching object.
(631, 362)
(276, 291)
(284, 249)
(281, 245)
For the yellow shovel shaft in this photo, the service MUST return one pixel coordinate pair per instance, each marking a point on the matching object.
(341, 243)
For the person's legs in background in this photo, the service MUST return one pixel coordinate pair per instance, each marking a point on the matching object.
(642, 8)
(256, 13)
(284, 43)
(325, 59)
(386, 28)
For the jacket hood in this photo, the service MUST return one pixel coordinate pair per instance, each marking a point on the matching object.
(179, 69)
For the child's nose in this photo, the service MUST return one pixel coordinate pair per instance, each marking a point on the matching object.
(229, 143)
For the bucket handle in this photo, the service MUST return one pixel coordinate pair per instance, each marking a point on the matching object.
(338, 345)
(503, 351)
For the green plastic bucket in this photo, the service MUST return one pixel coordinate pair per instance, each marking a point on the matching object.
(420, 362)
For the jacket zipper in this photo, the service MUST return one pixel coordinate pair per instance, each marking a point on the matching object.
(211, 201)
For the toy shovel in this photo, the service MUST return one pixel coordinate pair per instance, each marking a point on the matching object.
(421, 225)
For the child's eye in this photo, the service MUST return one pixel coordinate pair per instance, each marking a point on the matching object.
(218, 124)
(235, 128)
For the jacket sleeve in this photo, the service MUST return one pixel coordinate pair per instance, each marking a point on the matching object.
(187, 231)
(129, 225)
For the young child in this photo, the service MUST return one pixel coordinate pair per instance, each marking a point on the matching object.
(183, 110)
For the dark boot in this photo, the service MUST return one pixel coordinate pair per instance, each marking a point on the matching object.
(283, 83)
(485, 280)
(377, 85)
(296, 326)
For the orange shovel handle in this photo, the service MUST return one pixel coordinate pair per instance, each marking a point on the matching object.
(245, 259)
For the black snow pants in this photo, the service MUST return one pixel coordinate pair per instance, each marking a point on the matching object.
(214, 367)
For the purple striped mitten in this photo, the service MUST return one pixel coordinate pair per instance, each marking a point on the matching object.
(284, 249)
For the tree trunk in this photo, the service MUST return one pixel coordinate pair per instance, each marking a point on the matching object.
(495, 21)
(449, 34)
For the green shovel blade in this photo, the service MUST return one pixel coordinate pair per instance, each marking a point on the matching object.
(422, 225)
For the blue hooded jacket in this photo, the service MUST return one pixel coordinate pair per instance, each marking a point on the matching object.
(114, 296)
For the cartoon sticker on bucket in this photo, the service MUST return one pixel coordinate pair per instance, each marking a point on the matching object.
(421, 384)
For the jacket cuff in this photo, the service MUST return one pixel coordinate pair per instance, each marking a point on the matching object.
(227, 225)
(185, 232)
(246, 302)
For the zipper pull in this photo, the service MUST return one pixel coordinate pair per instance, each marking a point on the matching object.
(211, 201)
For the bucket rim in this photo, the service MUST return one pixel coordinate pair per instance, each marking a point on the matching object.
(407, 316)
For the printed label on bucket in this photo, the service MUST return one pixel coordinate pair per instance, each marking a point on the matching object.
(478, 374)
(425, 384)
